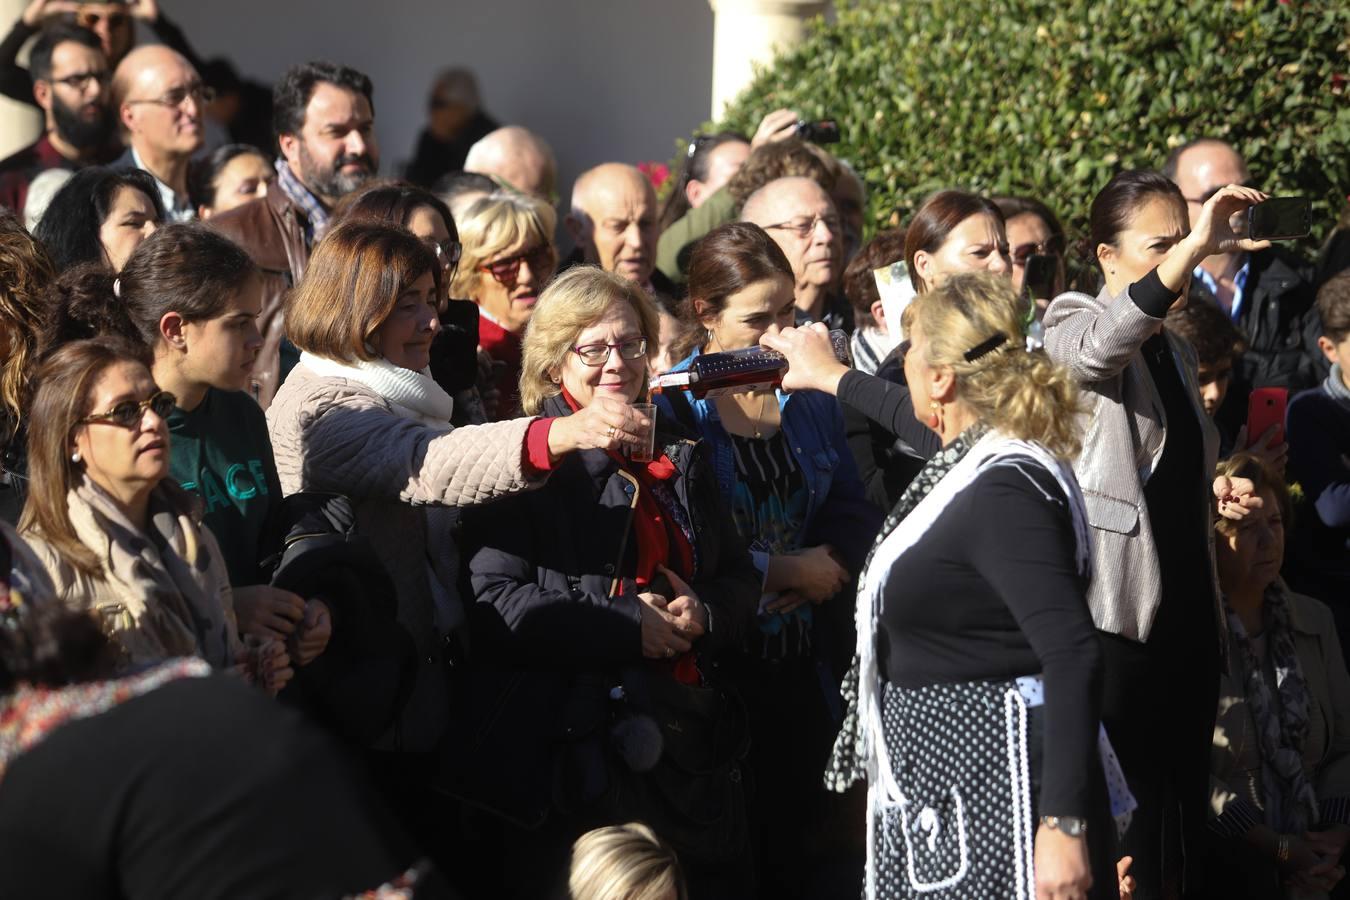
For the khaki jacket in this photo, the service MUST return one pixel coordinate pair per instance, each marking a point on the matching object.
(272, 230)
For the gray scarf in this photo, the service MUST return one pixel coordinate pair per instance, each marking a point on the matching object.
(1335, 385)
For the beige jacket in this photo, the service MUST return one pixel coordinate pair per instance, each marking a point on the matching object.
(151, 607)
(403, 476)
(1236, 755)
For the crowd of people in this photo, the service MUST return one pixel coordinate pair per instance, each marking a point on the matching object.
(346, 548)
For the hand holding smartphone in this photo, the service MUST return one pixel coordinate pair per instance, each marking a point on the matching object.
(1265, 409)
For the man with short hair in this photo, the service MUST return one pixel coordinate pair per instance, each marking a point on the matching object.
(1268, 294)
(324, 118)
(517, 158)
(159, 99)
(70, 81)
(455, 122)
(613, 222)
(802, 220)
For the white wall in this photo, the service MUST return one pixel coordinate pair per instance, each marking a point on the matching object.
(601, 80)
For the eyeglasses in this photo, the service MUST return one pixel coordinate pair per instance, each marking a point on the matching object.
(1051, 246)
(129, 413)
(506, 271)
(598, 354)
(90, 19)
(199, 93)
(80, 80)
(804, 227)
(448, 253)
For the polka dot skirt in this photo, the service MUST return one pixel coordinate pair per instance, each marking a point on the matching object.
(962, 827)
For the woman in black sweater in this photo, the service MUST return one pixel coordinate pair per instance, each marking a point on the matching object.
(979, 671)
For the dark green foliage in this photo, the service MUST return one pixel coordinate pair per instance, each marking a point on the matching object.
(1049, 99)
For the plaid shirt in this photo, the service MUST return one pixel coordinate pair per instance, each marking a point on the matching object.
(316, 216)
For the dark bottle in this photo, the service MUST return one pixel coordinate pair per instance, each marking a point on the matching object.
(737, 371)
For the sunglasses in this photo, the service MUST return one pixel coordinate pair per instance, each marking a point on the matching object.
(447, 253)
(506, 271)
(598, 354)
(1051, 246)
(129, 413)
(90, 19)
(199, 93)
(1209, 194)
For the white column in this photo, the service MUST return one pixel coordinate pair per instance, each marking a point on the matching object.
(20, 123)
(747, 33)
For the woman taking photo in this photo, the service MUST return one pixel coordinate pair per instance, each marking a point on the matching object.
(1146, 470)
(1281, 753)
(360, 416)
(992, 693)
(507, 260)
(782, 461)
(116, 536)
(647, 582)
(100, 217)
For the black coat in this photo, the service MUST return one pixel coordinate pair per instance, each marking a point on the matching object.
(1280, 322)
(556, 615)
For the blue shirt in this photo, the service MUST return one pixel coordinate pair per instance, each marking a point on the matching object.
(1239, 285)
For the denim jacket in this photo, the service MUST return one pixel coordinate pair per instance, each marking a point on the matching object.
(837, 510)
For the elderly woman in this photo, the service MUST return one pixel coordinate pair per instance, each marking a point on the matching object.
(616, 571)
(361, 416)
(992, 693)
(1281, 754)
(114, 533)
(1146, 468)
(507, 260)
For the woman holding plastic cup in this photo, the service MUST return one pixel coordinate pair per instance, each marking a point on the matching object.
(610, 562)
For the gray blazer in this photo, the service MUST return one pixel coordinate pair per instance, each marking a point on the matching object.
(1098, 340)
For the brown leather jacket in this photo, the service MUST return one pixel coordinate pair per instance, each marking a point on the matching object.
(272, 230)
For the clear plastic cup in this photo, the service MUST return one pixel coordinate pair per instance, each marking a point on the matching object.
(645, 452)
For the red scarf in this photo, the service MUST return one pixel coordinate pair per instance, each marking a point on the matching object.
(505, 347)
(660, 540)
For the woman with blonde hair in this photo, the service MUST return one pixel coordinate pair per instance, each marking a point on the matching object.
(645, 585)
(624, 862)
(976, 717)
(507, 259)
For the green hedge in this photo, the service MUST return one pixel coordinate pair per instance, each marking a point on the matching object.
(1049, 98)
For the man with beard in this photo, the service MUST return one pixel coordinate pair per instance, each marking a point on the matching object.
(324, 119)
(70, 85)
(159, 99)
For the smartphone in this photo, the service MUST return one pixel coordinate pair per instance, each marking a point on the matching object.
(1280, 219)
(1265, 407)
(1039, 278)
(826, 131)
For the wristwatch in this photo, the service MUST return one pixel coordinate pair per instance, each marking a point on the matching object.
(1070, 825)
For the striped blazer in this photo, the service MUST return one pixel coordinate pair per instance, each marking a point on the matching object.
(1098, 339)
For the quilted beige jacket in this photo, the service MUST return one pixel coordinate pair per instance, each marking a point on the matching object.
(402, 476)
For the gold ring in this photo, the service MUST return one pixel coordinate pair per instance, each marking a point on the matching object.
(610, 432)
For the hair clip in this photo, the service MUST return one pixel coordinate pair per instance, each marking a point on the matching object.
(985, 347)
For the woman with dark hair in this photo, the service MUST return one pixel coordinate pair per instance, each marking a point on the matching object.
(1032, 230)
(25, 273)
(112, 786)
(1146, 470)
(783, 462)
(955, 231)
(116, 536)
(709, 163)
(227, 177)
(100, 216)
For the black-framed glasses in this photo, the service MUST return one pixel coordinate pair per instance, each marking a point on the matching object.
(598, 354)
(804, 227)
(80, 80)
(447, 253)
(507, 271)
(199, 93)
(129, 413)
(88, 18)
